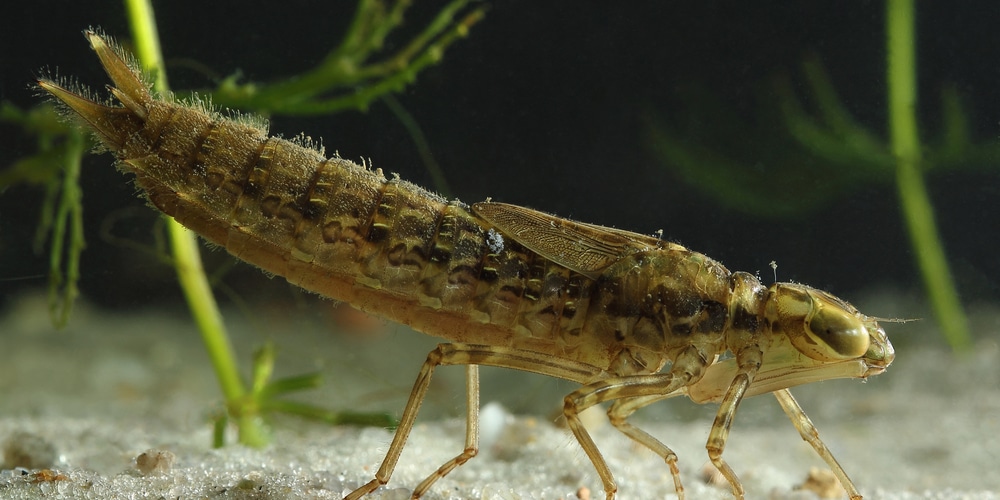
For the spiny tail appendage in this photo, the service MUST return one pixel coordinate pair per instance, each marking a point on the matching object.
(111, 124)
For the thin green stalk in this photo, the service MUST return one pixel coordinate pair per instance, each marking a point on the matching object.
(438, 178)
(142, 21)
(917, 209)
(345, 73)
(187, 260)
(69, 211)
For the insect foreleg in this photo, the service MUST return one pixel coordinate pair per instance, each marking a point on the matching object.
(748, 361)
(809, 433)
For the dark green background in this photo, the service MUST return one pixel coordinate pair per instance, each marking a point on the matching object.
(542, 105)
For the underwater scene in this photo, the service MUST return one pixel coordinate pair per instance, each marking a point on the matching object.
(652, 211)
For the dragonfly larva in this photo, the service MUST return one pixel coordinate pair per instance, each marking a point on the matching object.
(632, 318)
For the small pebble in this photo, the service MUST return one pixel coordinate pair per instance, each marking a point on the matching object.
(154, 462)
(824, 483)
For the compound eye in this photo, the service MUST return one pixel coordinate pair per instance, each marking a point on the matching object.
(836, 334)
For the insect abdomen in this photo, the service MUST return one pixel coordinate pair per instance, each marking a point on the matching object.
(283, 206)
(334, 227)
(329, 225)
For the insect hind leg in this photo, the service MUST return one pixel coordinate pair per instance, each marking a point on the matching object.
(472, 356)
(435, 358)
(471, 432)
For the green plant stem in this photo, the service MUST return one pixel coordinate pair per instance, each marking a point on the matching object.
(917, 209)
(438, 178)
(142, 21)
(69, 211)
(344, 73)
(187, 260)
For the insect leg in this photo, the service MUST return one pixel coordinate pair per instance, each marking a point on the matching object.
(625, 387)
(471, 432)
(748, 361)
(809, 433)
(472, 355)
(405, 426)
(635, 391)
(620, 411)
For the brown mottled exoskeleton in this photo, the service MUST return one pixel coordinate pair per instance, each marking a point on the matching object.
(631, 318)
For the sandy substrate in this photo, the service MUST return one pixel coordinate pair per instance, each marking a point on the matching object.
(77, 407)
